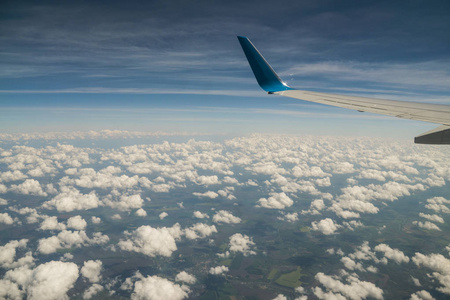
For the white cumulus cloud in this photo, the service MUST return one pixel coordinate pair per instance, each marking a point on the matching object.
(440, 266)
(208, 194)
(223, 216)
(393, 254)
(92, 291)
(29, 187)
(157, 288)
(199, 215)
(185, 277)
(355, 289)
(77, 223)
(71, 199)
(152, 241)
(91, 270)
(242, 243)
(276, 201)
(52, 280)
(218, 270)
(326, 226)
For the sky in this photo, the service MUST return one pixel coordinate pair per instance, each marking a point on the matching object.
(176, 66)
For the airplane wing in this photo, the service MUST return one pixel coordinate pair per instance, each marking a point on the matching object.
(434, 113)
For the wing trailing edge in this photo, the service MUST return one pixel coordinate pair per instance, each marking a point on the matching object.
(269, 81)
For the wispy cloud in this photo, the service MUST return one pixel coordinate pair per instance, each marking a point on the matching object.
(426, 75)
(101, 90)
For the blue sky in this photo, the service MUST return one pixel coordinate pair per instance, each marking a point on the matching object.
(177, 65)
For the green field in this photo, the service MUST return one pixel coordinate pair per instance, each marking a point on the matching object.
(272, 274)
(290, 279)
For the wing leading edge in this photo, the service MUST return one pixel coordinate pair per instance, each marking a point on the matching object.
(434, 113)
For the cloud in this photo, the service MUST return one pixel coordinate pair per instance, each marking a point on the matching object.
(352, 208)
(52, 280)
(96, 220)
(71, 199)
(382, 175)
(163, 215)
(305, 171)
(208, 194)
(352, 224)
(390, 191)
(438, 204)
(323, 181)
(92, 291)
(421, 295)
(5, 218)
(124, 202)
(33, 216)
(199, 230)
(355, 290)
(242, 243)
(364, 252)
(177, 166)
(351, 264)
(439, 264)
(105, 134)
(226, 193)
(51, 223)
(219, 270)
(9, 290)
(15, 175)
(157, 288)
(387, 74)
(91, 270)
(77, 223)
(68, 239)
(266, 168)
(326, 226)
(293, 217)
(199, 215)
(276, 201)
(341, 168)
(8, 254)
(152, 241)
(103, 179)
(315, 207)
(141, 213)
(207, 180)
(251, 183)
(433, 218)
(29, 187)
(185, 277)
(394, 254)
(416, 281)
(426, 225)
(230, 180)
(223, 216)
(116, 217)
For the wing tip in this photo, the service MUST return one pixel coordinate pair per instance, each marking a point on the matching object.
(267, 78)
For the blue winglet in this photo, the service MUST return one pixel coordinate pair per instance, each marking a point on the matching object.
(267, 79)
